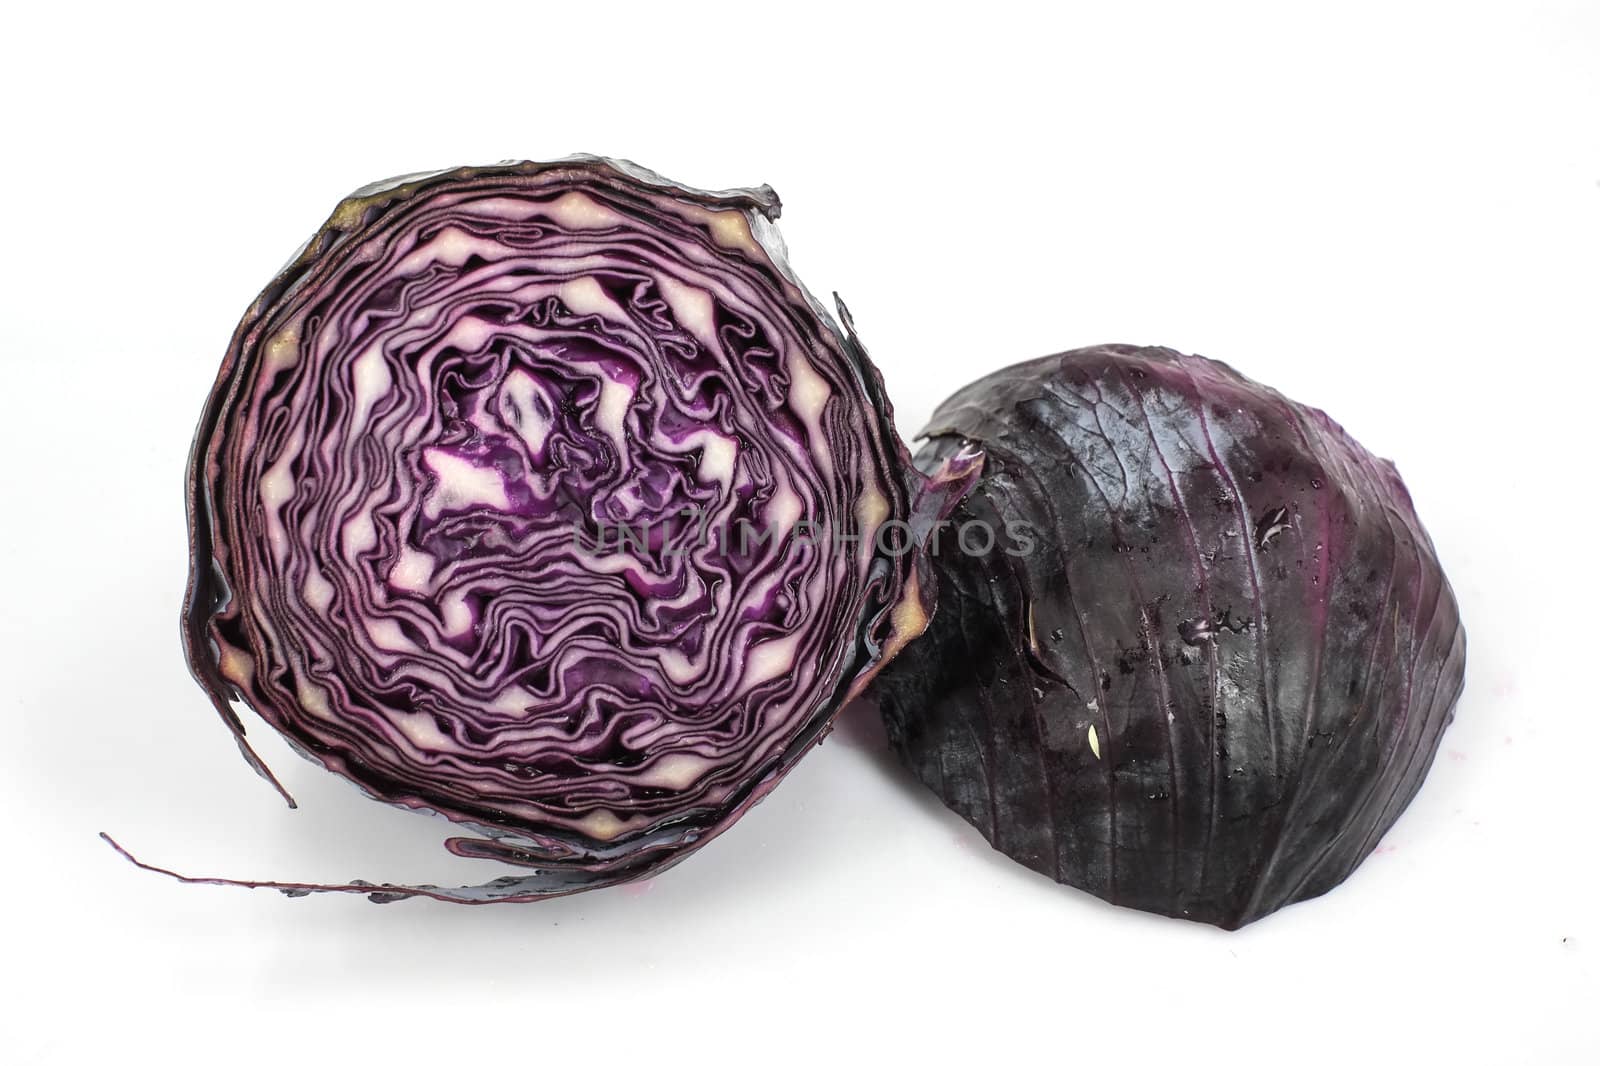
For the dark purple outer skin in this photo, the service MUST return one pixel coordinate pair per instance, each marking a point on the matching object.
(562, 862)
(1255, 763)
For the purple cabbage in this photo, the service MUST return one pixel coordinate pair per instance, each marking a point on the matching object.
(1223, 668)
(543, 497)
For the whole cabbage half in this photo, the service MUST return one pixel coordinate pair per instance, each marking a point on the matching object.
(543, 497)
(1223, 664)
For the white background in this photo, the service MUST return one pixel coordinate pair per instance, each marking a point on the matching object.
(1389, 210)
